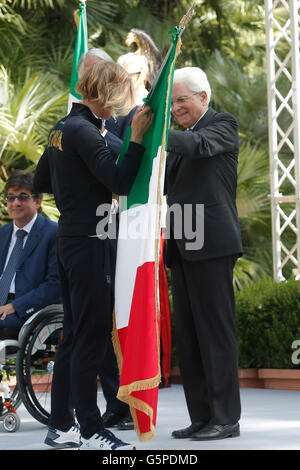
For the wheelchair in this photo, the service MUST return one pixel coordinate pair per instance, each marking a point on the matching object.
(27, 356)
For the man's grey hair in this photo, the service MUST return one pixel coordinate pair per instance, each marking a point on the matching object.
(195, 79)
(92, 52)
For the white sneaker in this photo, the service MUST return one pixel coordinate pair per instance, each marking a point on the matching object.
(63, 439)
(104, 440)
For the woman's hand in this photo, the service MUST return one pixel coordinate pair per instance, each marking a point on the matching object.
(141, 122)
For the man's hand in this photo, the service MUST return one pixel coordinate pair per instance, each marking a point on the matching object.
(6, 310)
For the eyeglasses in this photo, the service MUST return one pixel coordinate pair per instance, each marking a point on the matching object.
(183, 99)
(21, 197)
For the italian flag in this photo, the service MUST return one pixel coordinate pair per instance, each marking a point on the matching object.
(136, 334)
(81, 46)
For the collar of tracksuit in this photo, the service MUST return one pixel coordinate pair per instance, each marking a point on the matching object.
(83, 110)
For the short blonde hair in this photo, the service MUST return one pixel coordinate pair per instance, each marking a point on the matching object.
(110, 85)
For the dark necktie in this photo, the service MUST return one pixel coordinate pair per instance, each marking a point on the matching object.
(11, 267)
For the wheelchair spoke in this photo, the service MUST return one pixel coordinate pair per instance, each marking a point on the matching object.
(35, 365)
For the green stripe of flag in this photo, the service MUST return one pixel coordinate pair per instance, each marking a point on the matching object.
(81, 46)
(152, 140)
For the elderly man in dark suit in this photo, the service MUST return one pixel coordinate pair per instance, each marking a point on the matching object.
(29, 278)
(201, 181)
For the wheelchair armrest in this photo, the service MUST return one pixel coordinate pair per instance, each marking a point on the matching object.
(49, 310)
(8, 347)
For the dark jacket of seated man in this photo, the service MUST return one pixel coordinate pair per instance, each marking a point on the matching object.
(35, 283)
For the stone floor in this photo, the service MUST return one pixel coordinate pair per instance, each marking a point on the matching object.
(270, 421)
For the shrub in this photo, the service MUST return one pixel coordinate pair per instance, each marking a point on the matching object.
(267, 322)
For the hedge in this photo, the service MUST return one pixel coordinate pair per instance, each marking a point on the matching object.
(268, 322)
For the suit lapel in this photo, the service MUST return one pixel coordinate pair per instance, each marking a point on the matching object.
(174, 162)
(210, 113)
(5, 241)
(113, 126)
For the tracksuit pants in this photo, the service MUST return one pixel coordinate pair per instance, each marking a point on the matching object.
(84, 270)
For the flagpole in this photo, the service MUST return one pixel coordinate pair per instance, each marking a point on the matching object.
(159, 197)
(81, 46)
(137, 308)
(178, 32)
(182, 25)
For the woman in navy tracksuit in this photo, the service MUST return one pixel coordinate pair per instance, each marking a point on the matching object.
(78, 169)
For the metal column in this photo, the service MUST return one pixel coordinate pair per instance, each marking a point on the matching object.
(282, 31)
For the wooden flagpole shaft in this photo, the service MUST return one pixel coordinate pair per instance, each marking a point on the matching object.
(182, 25)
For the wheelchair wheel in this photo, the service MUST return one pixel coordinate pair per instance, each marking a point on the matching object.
(10, 384)
(11, 422)
(15, 400)
(35, 361)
